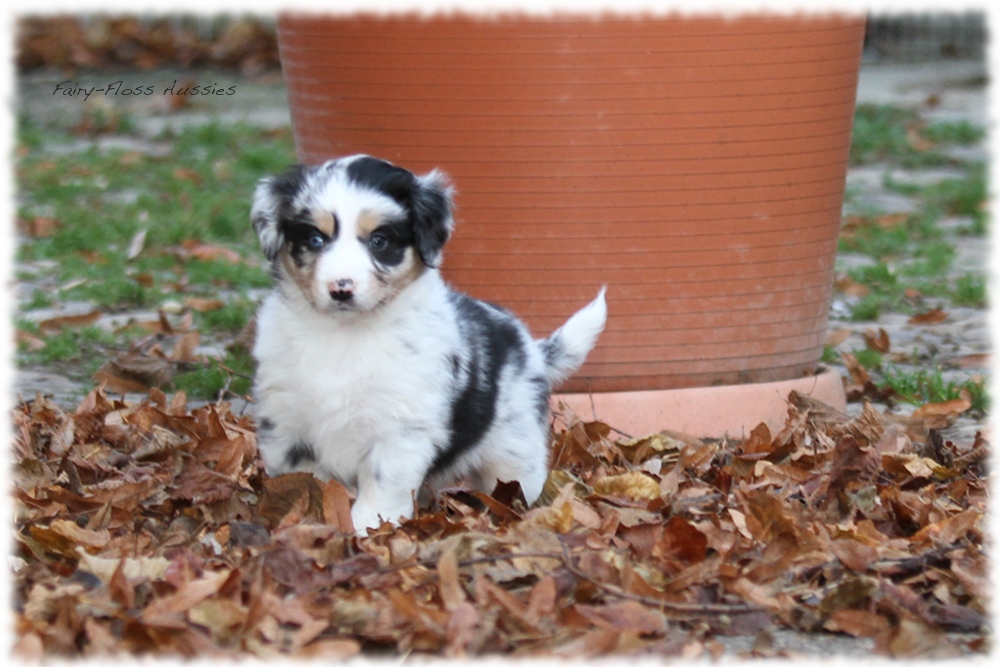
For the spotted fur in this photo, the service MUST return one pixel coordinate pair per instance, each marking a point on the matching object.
(371, 370)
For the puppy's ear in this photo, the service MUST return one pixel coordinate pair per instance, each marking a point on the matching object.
(272, 200)
(432, 219)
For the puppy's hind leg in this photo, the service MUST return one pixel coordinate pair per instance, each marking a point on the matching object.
(514, 461)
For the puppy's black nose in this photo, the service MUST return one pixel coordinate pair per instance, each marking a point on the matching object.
(342, 290)
(342, 295)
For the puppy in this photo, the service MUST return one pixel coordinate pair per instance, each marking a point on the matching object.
(371, 370)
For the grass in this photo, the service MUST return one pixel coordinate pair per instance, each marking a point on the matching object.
(960, 196)
(870, 359)
(914, 253)
(885, 132)
(970, 290)
(77, 352)
(71, 344)
(231, 317)
(175, 199)
(923, 386)
(232, 374)
(102, 199)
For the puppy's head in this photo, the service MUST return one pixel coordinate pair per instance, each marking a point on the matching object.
(352, 233)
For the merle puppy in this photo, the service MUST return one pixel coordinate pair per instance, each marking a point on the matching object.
(371, 370)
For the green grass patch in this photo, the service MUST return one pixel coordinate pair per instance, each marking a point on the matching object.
(830, 356)
(870, 359)
(962, 133)
(914, 254)
(869, 308)
(922, 386)
(887, 133)
(232, 375)
(220, 273)
(78, 350)
(101, 199)
(931, 259)
(970, 290)
(232, 317)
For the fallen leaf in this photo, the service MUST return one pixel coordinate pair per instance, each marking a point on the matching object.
(953, 407)
(136, 245)
(634, 485)
(167, 611)
(81, 536)
(681, 540)
(857, 622)
(203, 305)
(916, 140)
(210, 253)
(857, 372)
(877, 340)
(185, 347)
(190, 175)
(892, 220)
(134, 372)
(834, 337)
(56, 324)
(29, 340)
(627, 616)
(949, 530)
(337, 507)
(851, 287)
(972, 361)
(935, 316)
(854, 554)
(39, 227)
(335, 650)
(913, 638)
(298, 494)
(152, 568)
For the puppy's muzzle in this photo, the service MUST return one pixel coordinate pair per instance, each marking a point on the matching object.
(341, 291)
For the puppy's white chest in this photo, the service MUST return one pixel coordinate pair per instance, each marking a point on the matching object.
(342, 390)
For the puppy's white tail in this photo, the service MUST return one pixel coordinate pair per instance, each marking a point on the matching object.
(567, 348)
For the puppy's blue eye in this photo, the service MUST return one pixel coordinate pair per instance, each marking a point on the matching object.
(378, 242)
(315, 241)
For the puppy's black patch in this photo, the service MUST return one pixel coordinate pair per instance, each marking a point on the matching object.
(299, 453)
(388, 244)
(542, 392)
(428, 209)
(291, 182)
(493, 343)
(381, 176)
(303, 235)
(283, 189)
(553, 349)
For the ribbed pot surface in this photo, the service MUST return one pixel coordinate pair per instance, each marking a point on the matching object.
(695, 166)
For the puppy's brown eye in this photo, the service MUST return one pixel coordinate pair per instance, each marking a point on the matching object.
(377, 242)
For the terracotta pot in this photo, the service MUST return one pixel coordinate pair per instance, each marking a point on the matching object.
(695, 166)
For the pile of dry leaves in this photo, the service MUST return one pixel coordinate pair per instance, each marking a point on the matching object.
(98, 41)
(151, 529)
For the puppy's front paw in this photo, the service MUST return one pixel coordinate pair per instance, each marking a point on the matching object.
(364, 517)
(371, 515)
